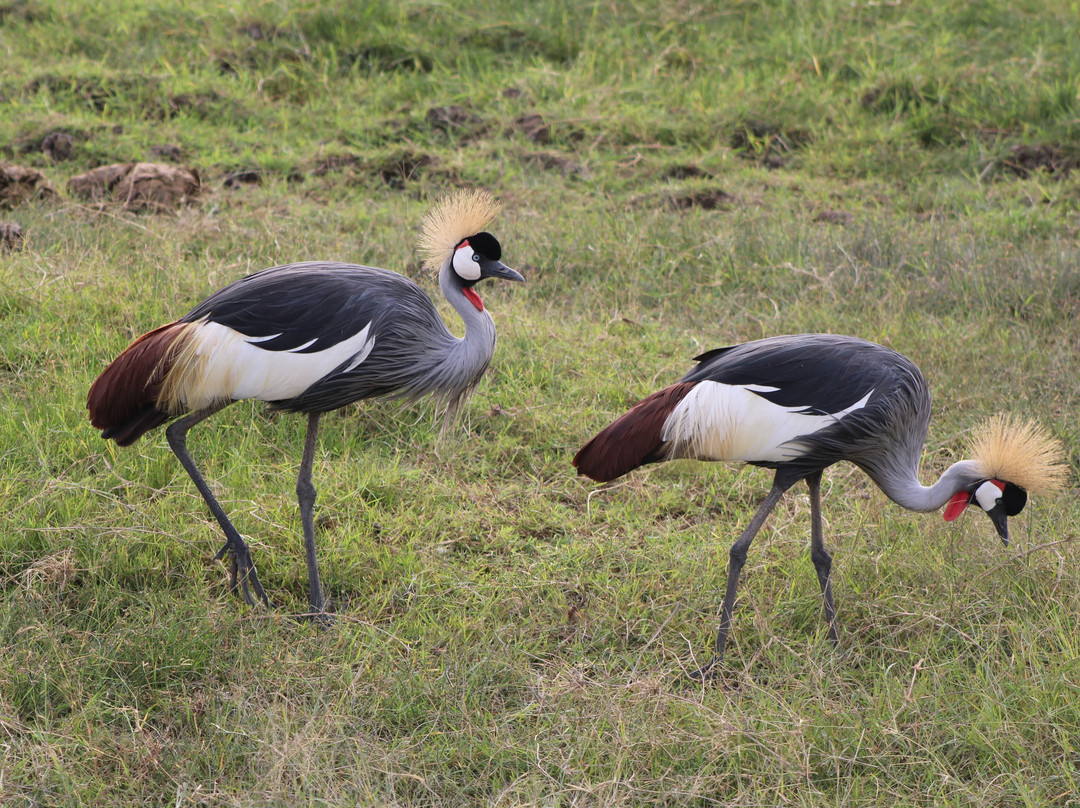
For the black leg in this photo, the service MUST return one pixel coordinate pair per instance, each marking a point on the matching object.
(819, 555)
(738, 559)
(241, 565)
(305, 497)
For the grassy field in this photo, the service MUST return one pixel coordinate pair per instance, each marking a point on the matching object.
(674, 177)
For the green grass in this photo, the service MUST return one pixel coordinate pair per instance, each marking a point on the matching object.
(510, 634)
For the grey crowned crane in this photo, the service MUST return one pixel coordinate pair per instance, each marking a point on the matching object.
(798, 404)
(310, 338)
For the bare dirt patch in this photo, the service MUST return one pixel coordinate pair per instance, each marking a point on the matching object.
(399, 169)
(395, 170)
(333, 163)
(384, 57)
(455, 120)
(705, 199)
(768, 142)
(841, 217)
(243, 176)
(688, 199)
(532, 127)
(552, 161)
(139, 186)
(168, 151)
(1051, 158)
(56, 144)
(258, 30)
(19, 10)
(685, 172)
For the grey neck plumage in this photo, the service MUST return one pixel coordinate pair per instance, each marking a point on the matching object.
(903, 487)
(462, 362)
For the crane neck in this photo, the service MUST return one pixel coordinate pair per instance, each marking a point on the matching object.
(904, 488)
(456, 365)
(479, 327)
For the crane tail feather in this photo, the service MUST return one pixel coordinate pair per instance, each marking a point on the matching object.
(633, 439)
(124, 400)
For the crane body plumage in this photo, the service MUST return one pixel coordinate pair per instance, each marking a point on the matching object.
(310, 338)
(798, 404)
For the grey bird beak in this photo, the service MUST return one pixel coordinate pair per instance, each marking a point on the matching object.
(497, 269)
(1001, 521)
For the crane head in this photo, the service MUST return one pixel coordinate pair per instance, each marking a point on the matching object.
(999, 499)
(477, 257)
(1012, 458)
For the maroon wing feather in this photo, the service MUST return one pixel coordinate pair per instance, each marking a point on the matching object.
(632, 440)
(123, 399)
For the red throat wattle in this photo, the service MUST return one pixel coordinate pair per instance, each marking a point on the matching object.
(473, 298)
(956, 505)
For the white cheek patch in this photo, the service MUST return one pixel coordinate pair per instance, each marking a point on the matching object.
(464, 265)
(988, 495)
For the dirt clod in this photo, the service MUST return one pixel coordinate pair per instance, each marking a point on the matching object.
(168, 151)
(451, 119)
(1024, 159)
(834, 217)
(19, 184)
(11, 236)
(334, 162)
(685, 172)
(399, 169)
(57, 146)
(706, 199)
(257, 31)
(139, 186)
(245, 176)
(768, 142)
(550, 161)
(533, 127)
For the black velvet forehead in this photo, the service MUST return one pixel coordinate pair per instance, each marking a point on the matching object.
(486, 244)
(1014, 498)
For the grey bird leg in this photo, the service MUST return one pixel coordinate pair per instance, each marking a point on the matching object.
(738, 559)
(241, 565)
(305, 497)
(819, 555)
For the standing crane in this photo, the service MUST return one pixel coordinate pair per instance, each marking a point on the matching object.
(311, 338)
(798, 404)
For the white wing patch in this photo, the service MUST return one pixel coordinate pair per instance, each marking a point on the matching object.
(222, 364)
(730, 422)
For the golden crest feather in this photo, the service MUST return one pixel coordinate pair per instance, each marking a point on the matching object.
(460, 215)
(1020, 452)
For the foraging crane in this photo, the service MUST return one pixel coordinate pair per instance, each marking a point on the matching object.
(797, 404)
(310, 338)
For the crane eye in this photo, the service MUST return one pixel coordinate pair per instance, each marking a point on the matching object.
(476, 257)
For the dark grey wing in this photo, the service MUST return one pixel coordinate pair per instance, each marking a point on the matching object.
(817, 373)
(822, 374)
(308, 307)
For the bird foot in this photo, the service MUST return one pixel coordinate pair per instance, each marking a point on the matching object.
(320, 619)
(709, 672)
(242, 573)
